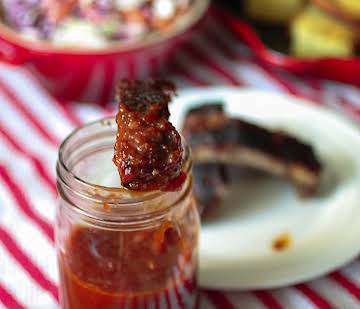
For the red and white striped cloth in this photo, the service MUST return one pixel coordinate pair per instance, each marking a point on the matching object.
(32, 124)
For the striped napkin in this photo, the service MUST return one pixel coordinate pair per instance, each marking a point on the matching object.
(32, 124)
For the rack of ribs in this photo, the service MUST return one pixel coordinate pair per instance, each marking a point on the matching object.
(215, 137)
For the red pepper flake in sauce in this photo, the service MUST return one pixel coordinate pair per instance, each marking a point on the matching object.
(148, 150)
(106, 206)
(282, 242)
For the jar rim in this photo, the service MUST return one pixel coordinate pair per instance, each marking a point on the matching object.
(114, 195)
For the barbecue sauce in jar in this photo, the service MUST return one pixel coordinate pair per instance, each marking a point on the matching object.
(140, 250)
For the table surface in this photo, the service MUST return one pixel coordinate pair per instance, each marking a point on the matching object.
(32, 124)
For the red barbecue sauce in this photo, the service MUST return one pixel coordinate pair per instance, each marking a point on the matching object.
(112, 269)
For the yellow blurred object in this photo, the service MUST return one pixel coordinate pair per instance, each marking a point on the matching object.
(316, 34)
(274, 11)
(350, 7)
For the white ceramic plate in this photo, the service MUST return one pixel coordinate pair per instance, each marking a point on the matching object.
(236, 248)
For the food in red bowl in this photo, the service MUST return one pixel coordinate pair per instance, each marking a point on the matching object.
(324, 53)
(78, 49)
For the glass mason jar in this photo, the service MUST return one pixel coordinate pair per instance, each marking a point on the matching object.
(119, 248)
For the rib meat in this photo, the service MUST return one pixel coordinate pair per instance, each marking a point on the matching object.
(148, 149)
(215, 137)
(210, 185)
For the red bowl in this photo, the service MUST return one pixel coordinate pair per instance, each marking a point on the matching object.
(89, 75)
(346, 70)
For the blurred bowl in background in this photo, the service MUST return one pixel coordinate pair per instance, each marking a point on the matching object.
(85, 74)
(345, 70)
